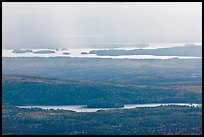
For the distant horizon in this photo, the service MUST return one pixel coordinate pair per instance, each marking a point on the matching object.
(119, 45)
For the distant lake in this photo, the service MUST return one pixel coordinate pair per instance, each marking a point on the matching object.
(77, 52)
(83, 108)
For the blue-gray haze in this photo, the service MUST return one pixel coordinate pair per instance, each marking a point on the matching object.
(71, 25)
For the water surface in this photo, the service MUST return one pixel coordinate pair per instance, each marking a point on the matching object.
(83, 108)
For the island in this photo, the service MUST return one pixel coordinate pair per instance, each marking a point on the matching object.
(22, 51)
(84, 53)
(187, 50)
(44, 51)
(66, 53)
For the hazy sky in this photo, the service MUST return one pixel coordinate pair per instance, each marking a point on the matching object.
(69, 25)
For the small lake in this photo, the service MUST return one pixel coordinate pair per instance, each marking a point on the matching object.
(83, 108)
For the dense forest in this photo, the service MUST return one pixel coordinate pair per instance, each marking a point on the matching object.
(104, 83)
(24, 90)
(166, 120)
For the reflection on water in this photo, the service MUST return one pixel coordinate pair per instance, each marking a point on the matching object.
(83, 108)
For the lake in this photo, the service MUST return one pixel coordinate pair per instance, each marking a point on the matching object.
(76, 52)
(83, 108)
